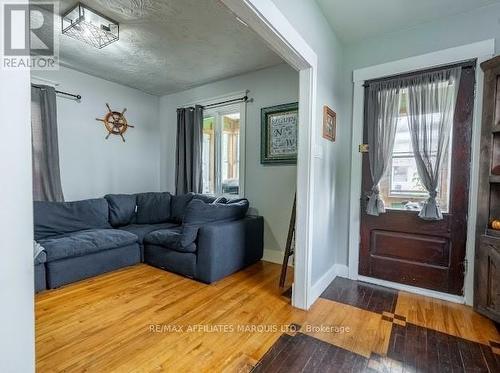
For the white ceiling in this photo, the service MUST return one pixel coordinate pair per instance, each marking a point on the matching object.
(355, 20)
(167, 46)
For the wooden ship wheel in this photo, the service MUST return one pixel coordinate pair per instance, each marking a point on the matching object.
(115, 123)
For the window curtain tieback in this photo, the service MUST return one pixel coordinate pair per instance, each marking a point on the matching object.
(430, 209)
(375, 203)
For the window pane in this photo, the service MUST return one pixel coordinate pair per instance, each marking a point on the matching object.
(208, 155)
(401, 186)
(230, 153)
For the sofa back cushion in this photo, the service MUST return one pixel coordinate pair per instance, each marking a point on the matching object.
(178, 206)
(180, 203)
(153, 208)
(56, 218)
(121, 209)
(199, 212)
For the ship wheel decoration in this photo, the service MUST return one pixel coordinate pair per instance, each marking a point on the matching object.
(115, 122)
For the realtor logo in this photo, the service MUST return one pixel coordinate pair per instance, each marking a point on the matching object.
(29, 36)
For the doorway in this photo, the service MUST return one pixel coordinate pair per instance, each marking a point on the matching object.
(398, 245)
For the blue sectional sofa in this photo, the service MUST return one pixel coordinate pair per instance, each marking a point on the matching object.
(193, 235)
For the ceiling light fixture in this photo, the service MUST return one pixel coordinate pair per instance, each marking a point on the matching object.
(87, 25)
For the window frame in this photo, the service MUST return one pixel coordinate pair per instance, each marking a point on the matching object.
(217, 113)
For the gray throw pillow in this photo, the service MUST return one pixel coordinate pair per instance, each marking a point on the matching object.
(121, 209)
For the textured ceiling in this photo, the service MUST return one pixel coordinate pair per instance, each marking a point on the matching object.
(355, 20)
(167, 46)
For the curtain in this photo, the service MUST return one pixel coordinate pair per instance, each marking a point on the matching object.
(189, 144)
(46, 173)
(431, 106)
(382, 118)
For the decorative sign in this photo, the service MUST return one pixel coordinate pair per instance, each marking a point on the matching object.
(329, 123)
(279, 134)
(115, 122)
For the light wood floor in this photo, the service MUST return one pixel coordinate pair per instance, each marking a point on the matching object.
(142, 319)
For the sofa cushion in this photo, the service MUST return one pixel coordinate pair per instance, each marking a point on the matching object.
(172, 239)
(121, 209)
(178, 206)
(141, 230)
(199, 212)
(153, 208)
(85, 242)
(57, 218)
(206, 198)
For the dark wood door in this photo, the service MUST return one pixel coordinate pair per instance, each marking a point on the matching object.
(399, 246)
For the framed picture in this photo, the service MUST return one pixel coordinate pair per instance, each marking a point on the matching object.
(279, 134)
(329, 123)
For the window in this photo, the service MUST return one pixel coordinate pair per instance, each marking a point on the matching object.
(222, 168)
(401, 187)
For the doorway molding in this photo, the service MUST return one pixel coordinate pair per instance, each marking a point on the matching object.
(481, 51)
(263, 17)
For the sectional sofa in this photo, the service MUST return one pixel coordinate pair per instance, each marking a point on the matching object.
(194, 235)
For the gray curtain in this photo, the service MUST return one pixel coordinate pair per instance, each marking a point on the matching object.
(382, 118)
(431, 106)
(46, 173)
(189, 143)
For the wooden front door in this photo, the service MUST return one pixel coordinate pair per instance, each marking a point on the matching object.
(399, 246)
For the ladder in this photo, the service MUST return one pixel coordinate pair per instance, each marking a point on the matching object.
(289, 250)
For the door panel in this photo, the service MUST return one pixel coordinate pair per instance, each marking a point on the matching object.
(399, 246)
(422, 249)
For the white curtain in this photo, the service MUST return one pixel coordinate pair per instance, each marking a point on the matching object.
(431, 106)
(382, 118)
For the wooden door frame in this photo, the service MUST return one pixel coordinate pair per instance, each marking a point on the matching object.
(481, 51)
(271, 25)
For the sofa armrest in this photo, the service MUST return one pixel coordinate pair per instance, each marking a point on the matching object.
(224, 248)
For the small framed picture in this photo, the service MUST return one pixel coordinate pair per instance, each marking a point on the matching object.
(329, 123)
(279, 134)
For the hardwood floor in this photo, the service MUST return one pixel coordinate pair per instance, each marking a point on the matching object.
(142, 319)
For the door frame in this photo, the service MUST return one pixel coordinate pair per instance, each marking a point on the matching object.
(263, 17)
(481, 51)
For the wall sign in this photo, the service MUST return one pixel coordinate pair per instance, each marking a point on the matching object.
(279, 130)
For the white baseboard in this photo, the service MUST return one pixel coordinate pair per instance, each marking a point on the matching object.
(342, 270)
(276, 256)
(319, 287)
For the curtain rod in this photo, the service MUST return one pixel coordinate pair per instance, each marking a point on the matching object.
(75, 96)
(464, 65)
(221, 103)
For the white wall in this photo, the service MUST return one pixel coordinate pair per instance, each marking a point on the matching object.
(270, 189)
(17, 338)
(332, 172)
(461, 29)
(92, 166)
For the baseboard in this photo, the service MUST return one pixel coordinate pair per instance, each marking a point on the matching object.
(276, 256)
(319, 287)
(342, 270)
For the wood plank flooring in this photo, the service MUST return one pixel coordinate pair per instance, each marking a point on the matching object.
(142, 319)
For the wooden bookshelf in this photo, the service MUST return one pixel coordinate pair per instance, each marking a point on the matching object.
(487, 263)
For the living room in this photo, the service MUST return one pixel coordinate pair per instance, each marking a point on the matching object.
(246, 186)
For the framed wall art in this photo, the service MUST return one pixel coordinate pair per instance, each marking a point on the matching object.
(329, 123)
(279, 130)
